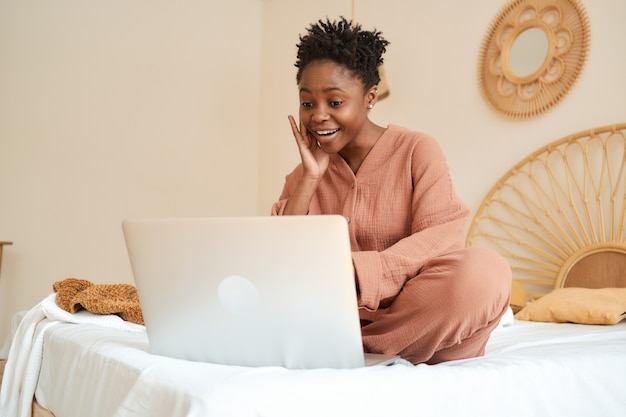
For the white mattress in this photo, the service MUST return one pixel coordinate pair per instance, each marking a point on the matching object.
(530, 369)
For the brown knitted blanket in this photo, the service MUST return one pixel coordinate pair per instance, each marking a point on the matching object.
(74, 294)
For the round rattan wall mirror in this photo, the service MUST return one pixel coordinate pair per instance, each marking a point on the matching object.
(532, 55)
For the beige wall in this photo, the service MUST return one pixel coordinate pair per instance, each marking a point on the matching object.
(114, 109)
(148, 108)
(431, 65)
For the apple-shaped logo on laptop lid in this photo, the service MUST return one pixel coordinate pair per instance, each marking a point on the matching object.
(238, 295)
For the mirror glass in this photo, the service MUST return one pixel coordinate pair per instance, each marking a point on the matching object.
(529, 51)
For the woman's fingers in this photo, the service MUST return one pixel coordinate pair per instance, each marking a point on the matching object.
(314, 160)
(297, 133)
(294, 126)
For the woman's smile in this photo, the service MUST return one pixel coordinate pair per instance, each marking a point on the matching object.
(326, 132)
(325, 136)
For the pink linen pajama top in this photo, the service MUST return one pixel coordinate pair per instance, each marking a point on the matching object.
(401, 209)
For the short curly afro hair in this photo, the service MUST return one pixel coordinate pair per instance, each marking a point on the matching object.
(346, 44)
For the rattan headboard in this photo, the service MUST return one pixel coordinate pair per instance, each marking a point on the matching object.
(558, 216)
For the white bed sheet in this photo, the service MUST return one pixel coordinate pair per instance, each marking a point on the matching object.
(530, 369)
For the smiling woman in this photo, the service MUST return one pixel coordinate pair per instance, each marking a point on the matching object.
(333, 111)
(393, 187)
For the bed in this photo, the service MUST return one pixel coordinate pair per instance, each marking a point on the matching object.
(558, 217)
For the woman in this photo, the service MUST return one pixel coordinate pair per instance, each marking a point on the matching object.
(421, 294)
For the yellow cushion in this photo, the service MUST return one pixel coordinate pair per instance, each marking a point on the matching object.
(578, 305)
(519, 296)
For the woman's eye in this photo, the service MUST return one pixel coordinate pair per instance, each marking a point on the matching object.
(336, 103)
(306, 104)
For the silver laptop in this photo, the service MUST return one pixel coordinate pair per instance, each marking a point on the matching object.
(250, 291)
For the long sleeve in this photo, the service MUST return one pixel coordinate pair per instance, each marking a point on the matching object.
(401, 208)
(414, 215)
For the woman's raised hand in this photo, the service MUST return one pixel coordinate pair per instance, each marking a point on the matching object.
(314, 159)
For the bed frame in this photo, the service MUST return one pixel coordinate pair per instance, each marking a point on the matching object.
(558, 216)
(38, 411)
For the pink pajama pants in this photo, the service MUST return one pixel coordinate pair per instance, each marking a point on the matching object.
(446, 312)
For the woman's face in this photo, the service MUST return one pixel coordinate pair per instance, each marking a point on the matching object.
(333, 105)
